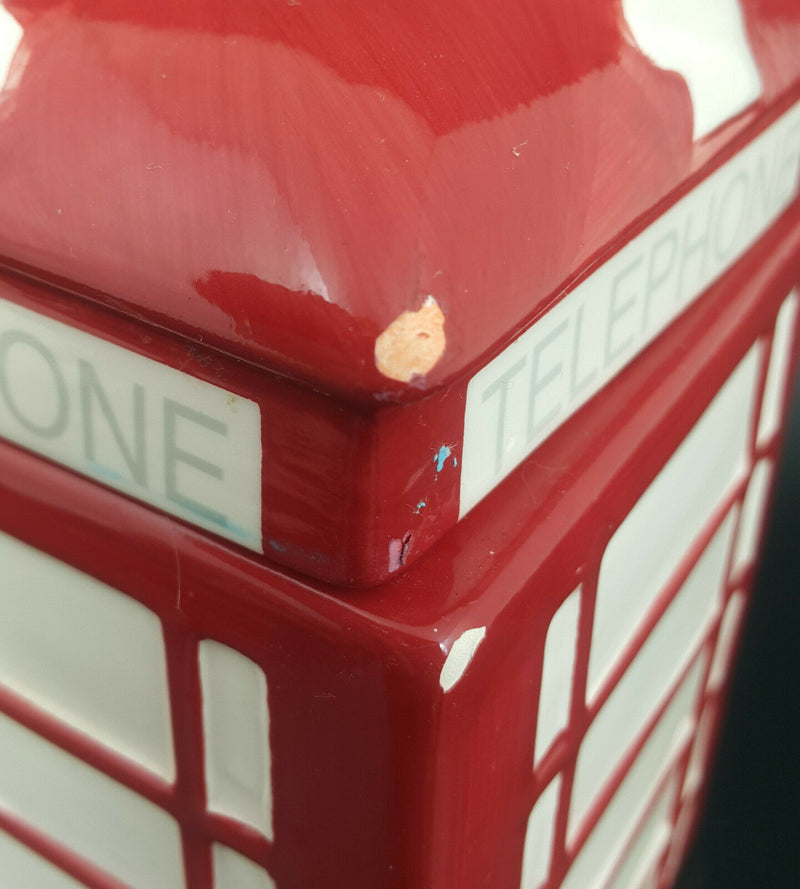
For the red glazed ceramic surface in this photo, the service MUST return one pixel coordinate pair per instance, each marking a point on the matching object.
(389, 398)
(548, 676)
(374, 202)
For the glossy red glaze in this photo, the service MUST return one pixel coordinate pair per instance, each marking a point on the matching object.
(282, 182)
(252, 193)
(277, 185)
(379, 777)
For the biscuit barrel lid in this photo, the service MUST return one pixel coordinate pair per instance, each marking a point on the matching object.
(316, 277)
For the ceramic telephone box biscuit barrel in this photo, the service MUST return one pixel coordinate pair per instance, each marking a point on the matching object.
(390, 398)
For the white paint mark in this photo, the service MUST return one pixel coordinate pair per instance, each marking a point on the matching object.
(517, 149)
(459, 657)
(706, 43)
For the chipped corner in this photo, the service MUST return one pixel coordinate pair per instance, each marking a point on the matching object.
(412, 344)
(459, 657)
(398, 552)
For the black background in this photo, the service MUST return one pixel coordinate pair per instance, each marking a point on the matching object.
(749, 836)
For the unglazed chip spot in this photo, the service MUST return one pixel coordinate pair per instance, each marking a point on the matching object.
(412, 344)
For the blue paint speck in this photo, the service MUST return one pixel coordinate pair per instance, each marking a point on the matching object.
(278, 547)
(104, 472)
(440, 458)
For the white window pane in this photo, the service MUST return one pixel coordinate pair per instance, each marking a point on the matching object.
(234, 871)
(697, 762)
(594, 862)
(23, 869)
(725, 639)
(237, 753)
(651, 840)
(86, 653)
(648, 679)
(539, 837)
(557, 673)
(650, 543)
(680, 837)
(778, 373)
(86, 811)
(755, 501)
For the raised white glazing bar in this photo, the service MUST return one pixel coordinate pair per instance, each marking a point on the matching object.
(236, 722)
(667, 519)
(84, 810)
(85, 653)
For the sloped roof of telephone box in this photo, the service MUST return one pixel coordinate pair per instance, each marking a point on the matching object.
(365, 195)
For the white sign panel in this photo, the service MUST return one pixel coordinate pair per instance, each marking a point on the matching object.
(568, 355)
(179, 443)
